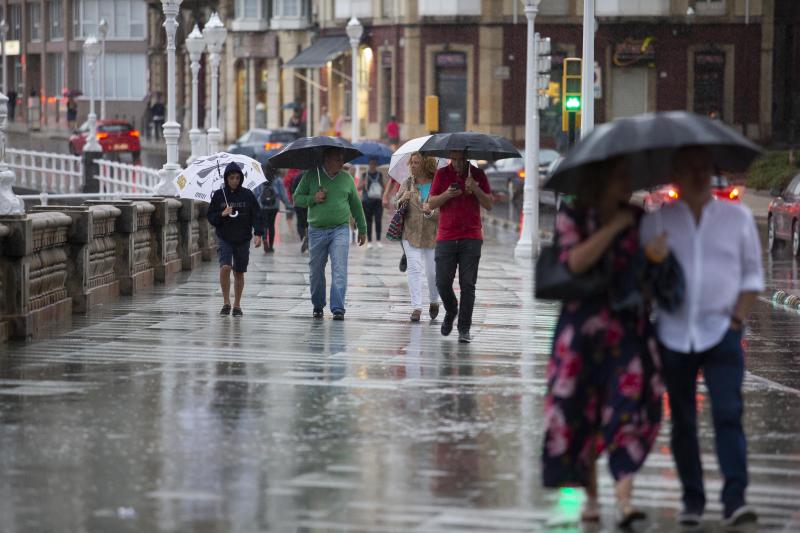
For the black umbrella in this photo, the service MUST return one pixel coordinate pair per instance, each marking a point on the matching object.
(307, 152)
(476, 145)
(649, 142)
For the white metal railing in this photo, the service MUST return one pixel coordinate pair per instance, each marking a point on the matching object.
(45, 171)
(127, 179)
(45, 197)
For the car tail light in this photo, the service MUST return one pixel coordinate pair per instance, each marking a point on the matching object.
(672, 193)
(521, 173)
(134, 133)
(101, 136)
(273, 146)
(734, 194)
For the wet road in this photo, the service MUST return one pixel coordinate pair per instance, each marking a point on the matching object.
(155, 414)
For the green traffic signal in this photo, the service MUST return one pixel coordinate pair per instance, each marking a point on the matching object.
(573, 103)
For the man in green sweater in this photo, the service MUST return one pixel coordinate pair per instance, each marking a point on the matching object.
(331, 197)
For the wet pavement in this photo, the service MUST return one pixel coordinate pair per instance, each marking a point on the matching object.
(156, 414)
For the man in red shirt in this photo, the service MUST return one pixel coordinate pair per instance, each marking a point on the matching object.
(393, 132)
(459, 190)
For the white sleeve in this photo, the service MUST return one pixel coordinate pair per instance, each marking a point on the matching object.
(752, 269)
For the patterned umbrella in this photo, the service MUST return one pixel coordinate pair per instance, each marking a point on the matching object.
(199, 180)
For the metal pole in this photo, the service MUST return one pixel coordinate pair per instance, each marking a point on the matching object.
(172, 130)
(354, 91)
(213, 132)
(309, 109)
(3, 33)
(92, 144)
(587, 74)
(195, 135)
(528, 244)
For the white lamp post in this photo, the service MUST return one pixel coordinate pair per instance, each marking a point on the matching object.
(528, 244)
(172, 130)
(10, 203)
(354, 31)
(102, 28)
(214, 35)
(195, 46)
(91, 49)
(3, 34)
(587, 65)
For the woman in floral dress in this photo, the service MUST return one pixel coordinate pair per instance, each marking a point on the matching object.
(603, 385)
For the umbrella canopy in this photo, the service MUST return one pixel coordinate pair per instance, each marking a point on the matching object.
(306, 152)
(291, 105)
(476, 145)
(372, 150)
(199, 180)
(398, 166)
(649, 141)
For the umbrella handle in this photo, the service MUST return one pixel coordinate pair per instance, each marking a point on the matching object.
(319, 181)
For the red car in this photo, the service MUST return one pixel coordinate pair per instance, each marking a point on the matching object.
(115, 136)
(721, 188)
(783, 220)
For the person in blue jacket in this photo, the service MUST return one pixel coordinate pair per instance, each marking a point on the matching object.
(235, 213)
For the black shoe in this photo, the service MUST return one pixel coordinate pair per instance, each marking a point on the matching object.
(237, 311)
(338, 315)
(270, 249)
(447, 324)
(742, 516)
(304, 245)
(317, 312)
(464, 337)
(226, 310)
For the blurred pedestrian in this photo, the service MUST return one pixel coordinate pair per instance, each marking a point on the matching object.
(338, 126)
(717, 245)
(603, 386)
(157, 115)
(294, 121)
(12, 104)
(393, 132)
(459, 190)
(235, 213)
(330, 204)
(301, 212)
(372, 187)
(270, 195)
(419, 233)
(324, 122)
(72, 112)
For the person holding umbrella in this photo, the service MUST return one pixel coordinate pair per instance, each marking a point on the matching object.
(331, 197)
(459, 190)
(235, 213)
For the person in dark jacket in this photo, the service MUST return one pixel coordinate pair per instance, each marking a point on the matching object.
(270, 194)
(235, 213)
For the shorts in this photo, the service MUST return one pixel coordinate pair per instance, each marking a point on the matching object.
(234, 254)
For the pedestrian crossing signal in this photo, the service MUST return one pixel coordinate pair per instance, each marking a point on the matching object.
(571, 97)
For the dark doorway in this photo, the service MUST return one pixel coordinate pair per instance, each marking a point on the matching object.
(451, 87)
(709, 82)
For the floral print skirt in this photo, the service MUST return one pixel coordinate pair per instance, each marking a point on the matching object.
(603, 393)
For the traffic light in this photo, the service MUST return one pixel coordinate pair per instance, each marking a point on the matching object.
(571, 98)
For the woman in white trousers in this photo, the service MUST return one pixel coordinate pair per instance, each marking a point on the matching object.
(419, 233)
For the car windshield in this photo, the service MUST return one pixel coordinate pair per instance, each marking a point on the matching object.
(719, 181)
(282, 136)
(115, 128)
(546, 156)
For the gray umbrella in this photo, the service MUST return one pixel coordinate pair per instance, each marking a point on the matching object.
(649, 142)
(476, 145)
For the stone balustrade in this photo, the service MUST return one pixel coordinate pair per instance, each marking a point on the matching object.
(60, 260)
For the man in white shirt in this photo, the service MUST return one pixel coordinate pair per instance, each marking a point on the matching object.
(717, 245)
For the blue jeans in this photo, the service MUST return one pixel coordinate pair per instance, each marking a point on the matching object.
(723, 369)
(323, 242)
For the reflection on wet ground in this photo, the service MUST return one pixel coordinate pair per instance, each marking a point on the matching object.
(156, 414)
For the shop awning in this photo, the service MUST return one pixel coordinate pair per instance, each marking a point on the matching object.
(318, 54)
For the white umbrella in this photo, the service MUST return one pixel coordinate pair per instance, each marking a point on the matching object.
(398, 166)
(200, 179)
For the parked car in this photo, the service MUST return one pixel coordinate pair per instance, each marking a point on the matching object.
(783, 217)
(115, 136)
(512, 171)
(721, 188)
(261, 144)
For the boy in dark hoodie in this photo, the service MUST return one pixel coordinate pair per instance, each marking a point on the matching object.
(235, 214)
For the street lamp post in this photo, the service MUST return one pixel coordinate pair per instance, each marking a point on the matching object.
(528, 244)
(195, 46)
(172, 130)
(91, 49)
(214, 35)
(587, 74)
(3, 34)
(102, 28)
(354, 31)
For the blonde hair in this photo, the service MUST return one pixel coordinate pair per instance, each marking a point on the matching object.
(428, 163)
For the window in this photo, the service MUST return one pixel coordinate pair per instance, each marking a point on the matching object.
(709, 7)
(632, 8)
(553, 7)
(55, 16)
(388, 8)
(35, 22)
(290, 14)
(15, 24)
(126, 76)
(54, 84)
(353, 8)
(126, 18)
(434, 8)
(251, 9)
